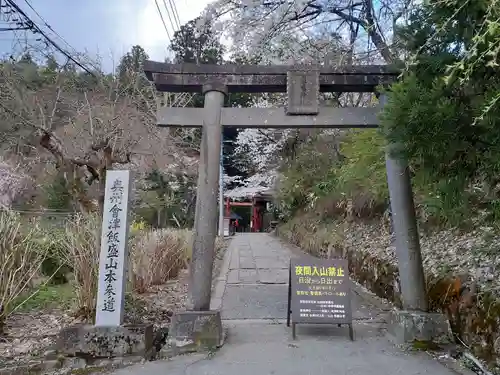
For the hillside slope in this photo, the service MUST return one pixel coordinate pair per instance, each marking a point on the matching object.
(339, 207)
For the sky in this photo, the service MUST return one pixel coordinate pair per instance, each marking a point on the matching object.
(106, 28)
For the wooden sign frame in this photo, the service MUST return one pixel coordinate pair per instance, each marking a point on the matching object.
(331, 264)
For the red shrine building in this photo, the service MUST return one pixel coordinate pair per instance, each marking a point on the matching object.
(258, 206)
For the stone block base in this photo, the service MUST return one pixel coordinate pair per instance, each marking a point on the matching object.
(406, 327)
(106, 342)
(195, 331)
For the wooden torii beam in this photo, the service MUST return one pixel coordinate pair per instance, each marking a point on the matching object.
(266, 78)
(302, 85)
(363, 117)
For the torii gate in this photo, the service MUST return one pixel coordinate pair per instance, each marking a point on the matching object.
(302, 85)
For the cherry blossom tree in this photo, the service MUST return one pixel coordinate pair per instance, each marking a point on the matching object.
(331, 32)
(14, 183)
(258, 26)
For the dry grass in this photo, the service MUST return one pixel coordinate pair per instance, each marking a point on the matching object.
(81, 250)
(155, 256)
(314, 236)
(159, 255)
(20, 261)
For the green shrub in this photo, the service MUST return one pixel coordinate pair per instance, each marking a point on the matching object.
(55, 265)
(47, 297)
(354, 181)
(356, 185)
(57, 195)
(363, 171)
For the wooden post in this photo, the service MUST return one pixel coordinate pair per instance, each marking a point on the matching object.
(205, 226)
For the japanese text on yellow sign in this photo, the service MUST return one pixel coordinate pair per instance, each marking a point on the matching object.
(319, 271)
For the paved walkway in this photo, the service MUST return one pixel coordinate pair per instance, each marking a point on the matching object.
(253, 305)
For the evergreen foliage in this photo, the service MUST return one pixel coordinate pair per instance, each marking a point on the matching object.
(442, 114)
(437, 111)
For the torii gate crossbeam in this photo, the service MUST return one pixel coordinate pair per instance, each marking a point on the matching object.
(302, 85)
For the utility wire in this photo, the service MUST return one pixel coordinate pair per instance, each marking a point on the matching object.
(163, 20)
(36, 29)
(176, 13)
(8, 21)
(54, 31)
(46, 23)
(13, 28)
(172, 22)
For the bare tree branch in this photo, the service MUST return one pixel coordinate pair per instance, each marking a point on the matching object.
(85, 132)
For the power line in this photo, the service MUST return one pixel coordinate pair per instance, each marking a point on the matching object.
(163, 20)
(13, 28)
(46, 23)
(176, 13)
(14, 23)
(173, 23)
(36, 29)
(54, 31)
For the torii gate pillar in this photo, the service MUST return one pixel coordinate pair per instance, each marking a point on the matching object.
(411, 270)
(205, 230)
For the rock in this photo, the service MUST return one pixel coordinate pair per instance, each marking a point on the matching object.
(106, 342)
(115, 362)
(50, 354)
(196, 331)
(456, 353)
(52, 364)
(32, 367)
(75, 363)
